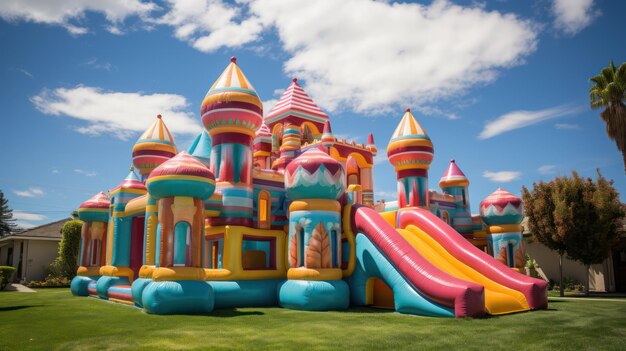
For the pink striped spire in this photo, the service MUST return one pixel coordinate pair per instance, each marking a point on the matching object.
(453, 176)
(295, 99)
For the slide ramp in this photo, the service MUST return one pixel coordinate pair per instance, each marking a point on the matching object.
(431, 226)
(384, 253)
(498, 298)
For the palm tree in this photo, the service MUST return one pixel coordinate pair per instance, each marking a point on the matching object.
(609, 92)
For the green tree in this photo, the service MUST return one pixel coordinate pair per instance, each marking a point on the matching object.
(7, 222)
(66, 263)
(609, 93)
(596, 213)
(540, 208)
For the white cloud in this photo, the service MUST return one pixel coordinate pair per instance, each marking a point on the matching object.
(70, 13)
(502, 176)
(268, 105)
(85, 173)
(547, 169)
(572, 16)
(94, 63)
(26, 216)
(519, 119)
(55, 171)
(386, 194)
(30, 192)
(567, 126)
(26, 73)
(381, 157)
(118, 113)
(208, 25)
(370, 55)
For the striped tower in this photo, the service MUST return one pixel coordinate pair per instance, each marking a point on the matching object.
(328, 140)
(232, 113)
(95, 214)
(263, 148)
(291, 144)
(155, 146)
(410, 151)
(296, 107)
(455, 183)
(503, 212)
(367, 175)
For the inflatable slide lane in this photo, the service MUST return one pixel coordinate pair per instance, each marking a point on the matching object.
(506, 290)
(418, 286)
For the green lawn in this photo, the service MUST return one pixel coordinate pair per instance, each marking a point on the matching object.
(53, 319)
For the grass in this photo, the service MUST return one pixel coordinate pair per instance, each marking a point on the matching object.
(52, 319)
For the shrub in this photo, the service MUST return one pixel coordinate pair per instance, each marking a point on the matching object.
(5, 274)
(50, 282)
(66, 262)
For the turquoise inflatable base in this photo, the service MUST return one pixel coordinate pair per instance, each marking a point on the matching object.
(80, 284)
(245, 293)
(137, 289)
(178, 297)
(314, 295)
(105, 282)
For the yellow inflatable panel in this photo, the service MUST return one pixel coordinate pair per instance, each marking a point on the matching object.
(498, 299)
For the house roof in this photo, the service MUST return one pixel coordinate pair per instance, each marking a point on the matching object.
(45, 231)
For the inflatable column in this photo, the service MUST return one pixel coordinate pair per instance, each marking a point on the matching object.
(455, 183)
(410, 151)
(232, 113)
(117, 269)
(263, 148)
(313, 182)
(154, 146)
(179, 186)
(503, 212)
(291, 144)
(95, 214)
(367, 175)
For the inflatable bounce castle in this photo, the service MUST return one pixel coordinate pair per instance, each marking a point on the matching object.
(276, 211)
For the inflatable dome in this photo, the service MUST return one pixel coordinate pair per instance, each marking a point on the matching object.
(232, 104)
(410, 147)
(314, 175)
(155, 146)
(501, 207)
(181, 175)
(96, 209)
(453, 176)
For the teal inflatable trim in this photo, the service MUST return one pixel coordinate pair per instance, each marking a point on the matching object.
(105, 282)
(245, 293)
(314, 295)
(178, 297)
(137, 289)
(80, 284)
(371, 263)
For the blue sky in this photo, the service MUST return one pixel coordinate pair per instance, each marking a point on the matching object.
(500, 86)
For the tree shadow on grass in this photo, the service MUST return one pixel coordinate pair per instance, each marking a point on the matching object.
(14, 308)
(233, 312)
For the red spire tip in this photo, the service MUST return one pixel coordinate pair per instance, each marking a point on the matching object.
(408, 109)
(233, 59)
(295, 80)
(452, 161)
(159, 116)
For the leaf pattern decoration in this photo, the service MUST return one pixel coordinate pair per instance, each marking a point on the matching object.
(502, 255)
(293, 248)
(520, 258)
(318, 253)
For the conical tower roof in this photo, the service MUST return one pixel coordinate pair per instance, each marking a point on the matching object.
(296, 102)
(410, 147)
(232, 105)
(153, 147)
(201, 148)
(453, 176)
(131, 184)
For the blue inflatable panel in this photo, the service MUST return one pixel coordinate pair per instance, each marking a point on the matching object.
(245, 293)
(105, 283)
(80, 285)
(371, 263)
(137, 288)
(314, 295)
(178, 297)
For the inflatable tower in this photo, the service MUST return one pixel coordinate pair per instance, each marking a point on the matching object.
(314, 181)
(410, 151)
(503, 212)
(455, 183)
